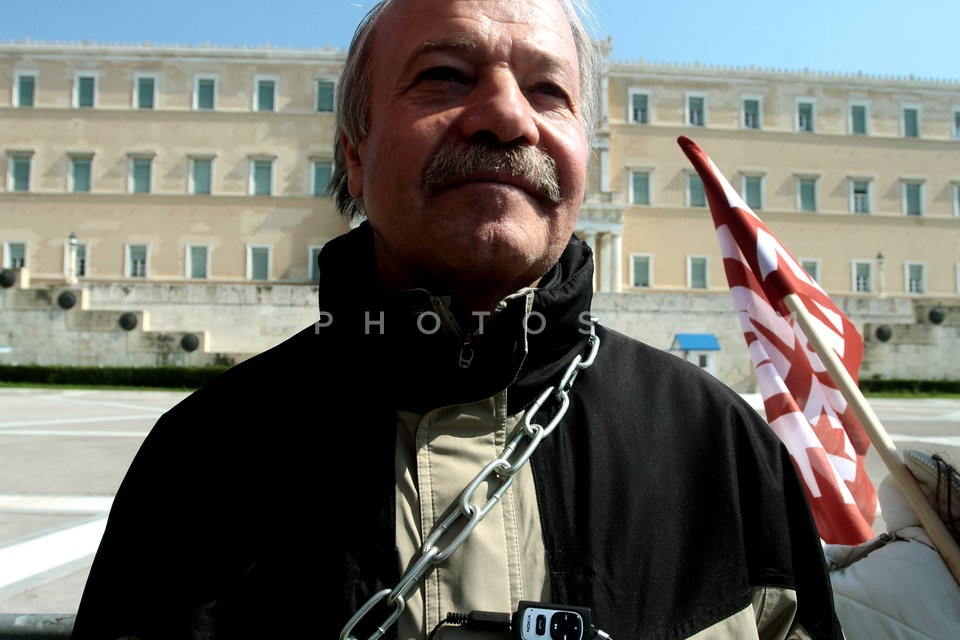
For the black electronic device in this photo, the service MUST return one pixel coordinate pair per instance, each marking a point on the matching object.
(544, 621)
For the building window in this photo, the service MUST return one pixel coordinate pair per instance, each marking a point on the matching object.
(858, 119)
(913, 198)
(201, 176)
(639, 107)
(85, 90)
(19, 172)
(14, 255)
(136, 261)
(911, 122)
(956, 200)
(639, 187)
(863, 276)
(205, 93)
(141, 173)
(805, 115)
(915, 276)
(860, 196)
(641, 271)
(198, 261)
(697, 110)
(144, 91)
(81, 168)
(266, 94)
(753, 192)
(956, 125)
(751, 113)
(697, 272)
(313, 269)
(258, 262)
(807, 194)
(25, 89)
(261, 177)
(82, 258)
(696, 196)
(325, 95)
(320, 178)
(812, 267)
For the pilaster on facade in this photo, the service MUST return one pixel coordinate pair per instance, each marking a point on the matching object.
(603, 118)
(601, 153)
(601, 226)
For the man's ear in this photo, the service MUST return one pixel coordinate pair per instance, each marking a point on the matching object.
(354, 166)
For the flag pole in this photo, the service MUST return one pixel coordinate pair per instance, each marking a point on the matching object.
(929, 518)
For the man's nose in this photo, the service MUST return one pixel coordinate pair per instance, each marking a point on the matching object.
(497, 108)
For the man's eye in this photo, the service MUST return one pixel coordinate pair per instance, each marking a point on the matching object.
(551, 90)
(549, 96)
(441, 74)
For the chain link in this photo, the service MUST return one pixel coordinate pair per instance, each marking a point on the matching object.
(521, 443)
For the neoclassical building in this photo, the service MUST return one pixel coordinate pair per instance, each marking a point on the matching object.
(160, 168)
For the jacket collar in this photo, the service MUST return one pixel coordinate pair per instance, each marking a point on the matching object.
(400, 344)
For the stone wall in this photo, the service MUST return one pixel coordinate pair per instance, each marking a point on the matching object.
(219, 322)
(917, 347)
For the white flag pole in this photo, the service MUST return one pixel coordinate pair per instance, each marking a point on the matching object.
(929, 518)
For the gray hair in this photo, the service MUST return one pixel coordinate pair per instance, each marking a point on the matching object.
(353, 92)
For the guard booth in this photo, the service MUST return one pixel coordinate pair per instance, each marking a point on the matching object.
(699, 348)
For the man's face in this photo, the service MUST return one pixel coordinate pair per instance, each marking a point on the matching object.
(487, 75)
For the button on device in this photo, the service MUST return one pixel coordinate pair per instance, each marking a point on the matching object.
(541, 624)
(566, 625)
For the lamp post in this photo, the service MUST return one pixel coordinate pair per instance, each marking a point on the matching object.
(880, 272)
(72, 259)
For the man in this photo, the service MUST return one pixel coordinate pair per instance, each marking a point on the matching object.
(370, 474)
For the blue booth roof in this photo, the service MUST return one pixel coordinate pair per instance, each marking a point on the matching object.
(695, 342)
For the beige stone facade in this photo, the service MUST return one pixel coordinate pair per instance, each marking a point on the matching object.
(204, 166)
(176, 171)
(835, 197)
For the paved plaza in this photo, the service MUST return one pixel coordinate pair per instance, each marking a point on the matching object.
(63, 454)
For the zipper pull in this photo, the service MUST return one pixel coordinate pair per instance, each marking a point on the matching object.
(466, 354)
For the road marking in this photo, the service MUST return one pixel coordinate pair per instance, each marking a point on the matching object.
(55, 504)
(24, 560)
(942, 441)
(953, 416)
(71, 399)
(73, 434)
(48, 422)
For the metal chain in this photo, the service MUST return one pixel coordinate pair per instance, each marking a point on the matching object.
(457, 526)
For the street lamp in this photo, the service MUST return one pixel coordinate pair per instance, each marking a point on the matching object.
(880, 272)
(72, 259)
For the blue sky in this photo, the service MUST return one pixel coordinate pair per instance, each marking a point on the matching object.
(887, 37)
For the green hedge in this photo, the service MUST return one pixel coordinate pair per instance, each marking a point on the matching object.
(157, 377)
(875, 385)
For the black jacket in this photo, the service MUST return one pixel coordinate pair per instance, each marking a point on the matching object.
(263, 504)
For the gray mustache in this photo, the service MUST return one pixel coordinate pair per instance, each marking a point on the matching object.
(531, 164)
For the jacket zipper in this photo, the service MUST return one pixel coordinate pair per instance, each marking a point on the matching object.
(466, 354)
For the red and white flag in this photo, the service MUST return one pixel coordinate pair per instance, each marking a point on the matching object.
(803, 404)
